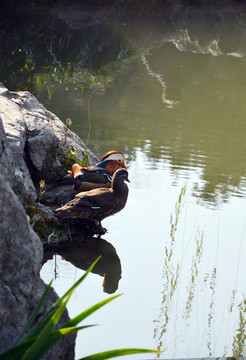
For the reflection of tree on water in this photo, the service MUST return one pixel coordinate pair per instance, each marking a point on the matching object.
(194, 272)
(171, 273)
(183, 42)
(189, 298)
(239, 343)
(82, 251)
(170, 103)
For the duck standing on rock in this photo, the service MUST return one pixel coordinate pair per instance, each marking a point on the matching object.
(83, 179)
(97, 204)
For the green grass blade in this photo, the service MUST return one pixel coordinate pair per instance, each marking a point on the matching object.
(57, 303)
(40, 344)
(65, 331)
(56, 336)
(34, 313)
(19, 350)
(77, 319)
(120, 352)
(16, 352)
(46, 318)
(35, 331)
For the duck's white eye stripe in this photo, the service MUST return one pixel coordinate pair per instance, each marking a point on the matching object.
(118, 157)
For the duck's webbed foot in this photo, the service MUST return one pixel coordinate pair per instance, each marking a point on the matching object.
(94, 228)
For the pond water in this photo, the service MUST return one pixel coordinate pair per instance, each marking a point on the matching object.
(178, 113)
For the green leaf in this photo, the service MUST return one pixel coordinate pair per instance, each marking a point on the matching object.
(35, 347)
(77, 319)
(34, 313)
(19, 350)
(35, 331)
(57, 303)
(41, 346)
(46, 318)
(56, 336)
(120, 352)
(16, 352)
(65, 331)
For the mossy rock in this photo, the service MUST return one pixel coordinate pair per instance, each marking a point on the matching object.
(45, 226)
(51, 156)
(69, 158)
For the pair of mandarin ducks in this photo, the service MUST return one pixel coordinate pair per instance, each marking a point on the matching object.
(91, 193)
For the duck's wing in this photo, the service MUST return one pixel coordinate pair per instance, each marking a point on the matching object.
(93, 192)
(98, 201)
(94, 175)
(87, 186)
(91, 178)
(87, 203)
(68, 210)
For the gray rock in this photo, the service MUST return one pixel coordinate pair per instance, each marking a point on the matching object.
(39, 141)
(20, 258)
(33, 145)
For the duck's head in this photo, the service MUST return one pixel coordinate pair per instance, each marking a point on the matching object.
(119, 177)
(76, 169)
(113, 157)
(121, 174)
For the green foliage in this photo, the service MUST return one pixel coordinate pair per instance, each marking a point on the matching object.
(72, 76)
(239, 343)
(37, 338)
(114, 353)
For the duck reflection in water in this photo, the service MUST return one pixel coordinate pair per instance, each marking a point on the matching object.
(83, 251)
(83, 179)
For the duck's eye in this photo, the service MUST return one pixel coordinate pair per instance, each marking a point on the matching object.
(119, 160)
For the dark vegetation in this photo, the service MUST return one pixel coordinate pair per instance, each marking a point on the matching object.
(44, 43)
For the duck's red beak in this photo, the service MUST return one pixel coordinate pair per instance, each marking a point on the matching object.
(124, 166)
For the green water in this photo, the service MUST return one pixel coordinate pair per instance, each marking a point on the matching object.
(188, 114)
(174, 103)
(183, 271)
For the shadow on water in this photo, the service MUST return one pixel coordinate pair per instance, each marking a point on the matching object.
(82, 251)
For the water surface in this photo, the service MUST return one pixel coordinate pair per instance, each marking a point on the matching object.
(178, 113)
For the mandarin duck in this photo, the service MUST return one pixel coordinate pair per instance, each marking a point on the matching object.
(59, 193)
(99, 175)
(83, 179)
(97, 204)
